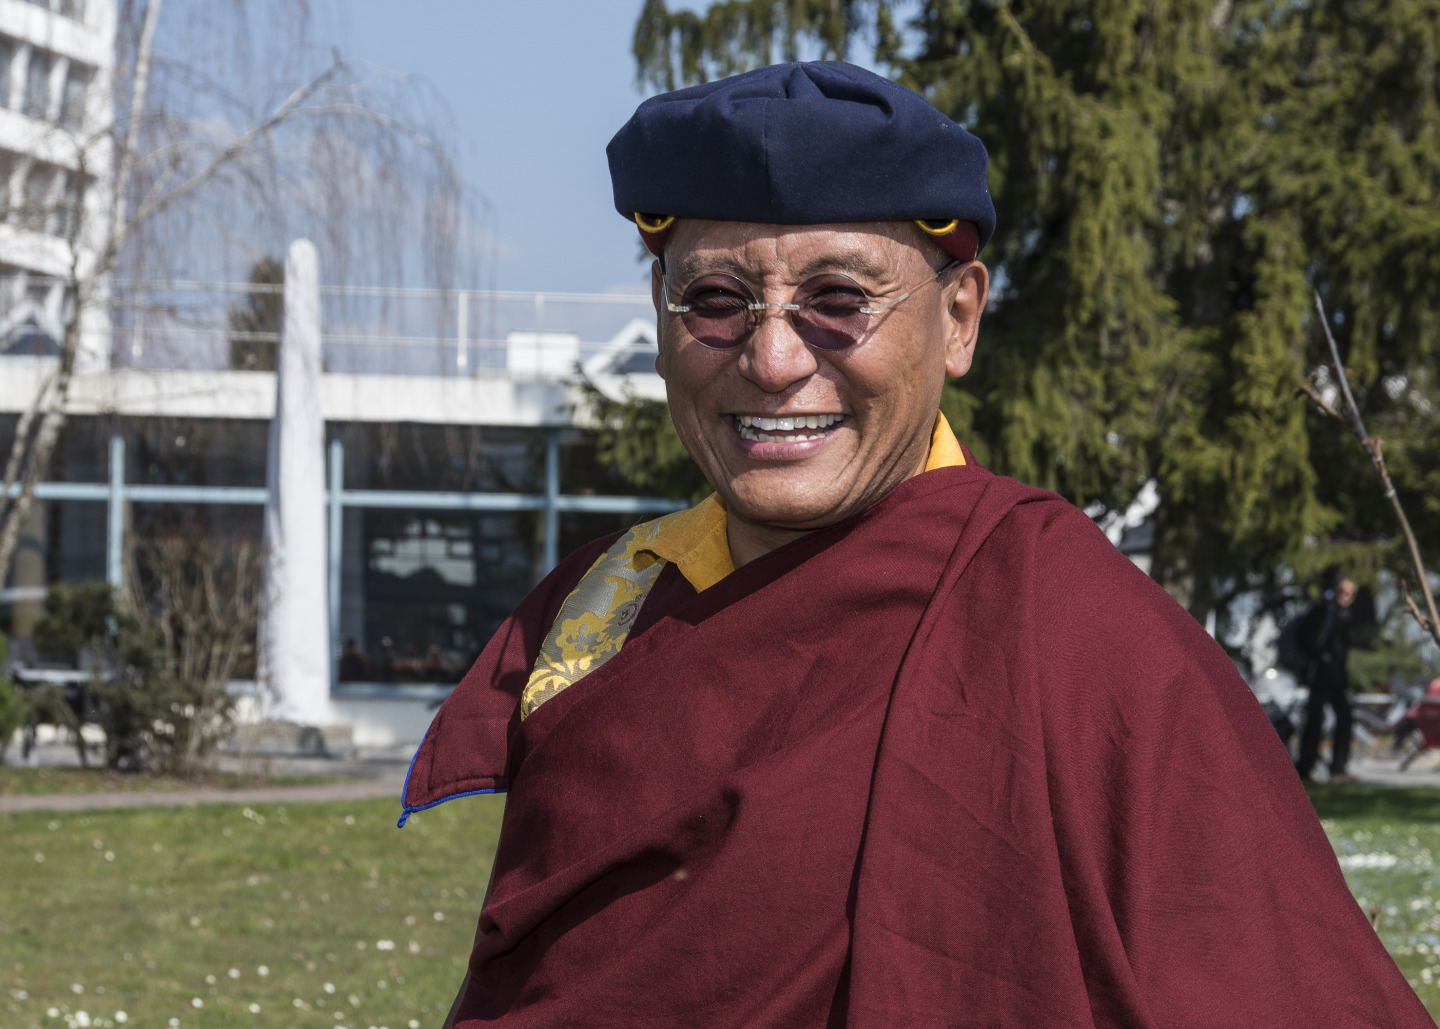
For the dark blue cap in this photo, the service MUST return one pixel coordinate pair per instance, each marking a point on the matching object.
(799, 144)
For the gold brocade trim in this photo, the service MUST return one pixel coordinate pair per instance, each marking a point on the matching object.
(597, 616)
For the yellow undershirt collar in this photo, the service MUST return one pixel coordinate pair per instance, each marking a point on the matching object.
(695, 541)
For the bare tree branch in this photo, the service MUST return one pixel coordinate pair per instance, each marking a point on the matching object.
(1428, 620)
(238, 146)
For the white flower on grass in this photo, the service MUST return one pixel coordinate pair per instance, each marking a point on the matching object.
(121, 1017)
(53, 826)
(380, 984)
(210, 979)
(414, 1024)
(174, 1023)
(82, 1019)
(76, 988)
(262, 970)
(354, 1000)
(20, 994)
(52, 1012)
(413, 947)
(439, 916)
(349, 819)
(329, 987)
(254, 1009)
(234, 973)
(39, 858)
(195, 921)
(99, 844)
(109, 855)
(196, 1002)
(384, 944)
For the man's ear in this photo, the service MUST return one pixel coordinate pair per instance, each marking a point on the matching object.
(971, 286)
(657, 295)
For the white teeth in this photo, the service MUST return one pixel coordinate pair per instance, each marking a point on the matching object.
(758, 429)
(804, 421)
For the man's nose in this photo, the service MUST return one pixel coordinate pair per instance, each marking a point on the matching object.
(774, 358)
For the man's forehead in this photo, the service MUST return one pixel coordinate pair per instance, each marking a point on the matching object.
(870, 248)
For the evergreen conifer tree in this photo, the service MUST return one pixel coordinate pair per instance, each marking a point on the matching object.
(1173, 179)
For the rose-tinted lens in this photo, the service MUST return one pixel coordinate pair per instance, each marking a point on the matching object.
(830, 315)
(719, 315)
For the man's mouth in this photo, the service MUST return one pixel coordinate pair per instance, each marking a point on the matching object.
(794, 429)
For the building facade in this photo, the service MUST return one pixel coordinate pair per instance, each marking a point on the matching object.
(447, 497)
(57, 63)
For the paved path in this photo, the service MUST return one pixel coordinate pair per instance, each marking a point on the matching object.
(360, 790)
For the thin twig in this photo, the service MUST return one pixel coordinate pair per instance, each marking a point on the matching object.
(1414, 610)
(1374, 447)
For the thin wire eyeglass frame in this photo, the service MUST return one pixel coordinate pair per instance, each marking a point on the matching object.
(871, 309)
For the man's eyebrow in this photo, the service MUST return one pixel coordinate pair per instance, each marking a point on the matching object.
(853, 263)
(690, 266)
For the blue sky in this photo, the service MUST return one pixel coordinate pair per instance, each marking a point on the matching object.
(536, 89)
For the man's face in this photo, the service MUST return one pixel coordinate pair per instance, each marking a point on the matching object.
(1345, 592)
(874, 402)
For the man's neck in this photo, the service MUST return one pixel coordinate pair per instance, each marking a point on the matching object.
(749, 540)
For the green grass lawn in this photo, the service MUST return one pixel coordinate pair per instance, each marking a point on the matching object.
(1388, 843)
(66, 779)
(224, 915)
(321, 915)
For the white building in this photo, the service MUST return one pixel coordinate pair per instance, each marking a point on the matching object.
(57, 61)
(446, 496)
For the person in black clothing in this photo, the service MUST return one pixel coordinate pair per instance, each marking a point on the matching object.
(1325, 636)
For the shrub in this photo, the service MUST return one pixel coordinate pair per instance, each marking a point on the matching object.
(12, 705)
(161, 658)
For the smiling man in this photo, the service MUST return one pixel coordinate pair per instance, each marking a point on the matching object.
(871, 737)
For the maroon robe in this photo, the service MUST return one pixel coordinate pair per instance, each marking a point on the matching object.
(952, 762)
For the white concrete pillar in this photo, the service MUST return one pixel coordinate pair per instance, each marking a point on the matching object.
(295, 640)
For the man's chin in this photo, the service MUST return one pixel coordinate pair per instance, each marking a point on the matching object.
(793, 509)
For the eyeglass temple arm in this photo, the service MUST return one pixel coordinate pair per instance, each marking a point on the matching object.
(886, 305)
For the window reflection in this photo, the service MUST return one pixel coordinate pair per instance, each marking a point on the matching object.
(423, 592)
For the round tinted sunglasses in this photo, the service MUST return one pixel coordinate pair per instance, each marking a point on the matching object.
(828, 312)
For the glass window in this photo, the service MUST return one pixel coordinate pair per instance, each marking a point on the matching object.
(7, 61)
(83, 452)
(7, 170)
(464, 458)
(34, 208)
(72, 104)
(67, 215)
(221, 524)
(195, 451)
(578, 528)
(37, 84)
(423, 592)
(581, 472)
(60, 541)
